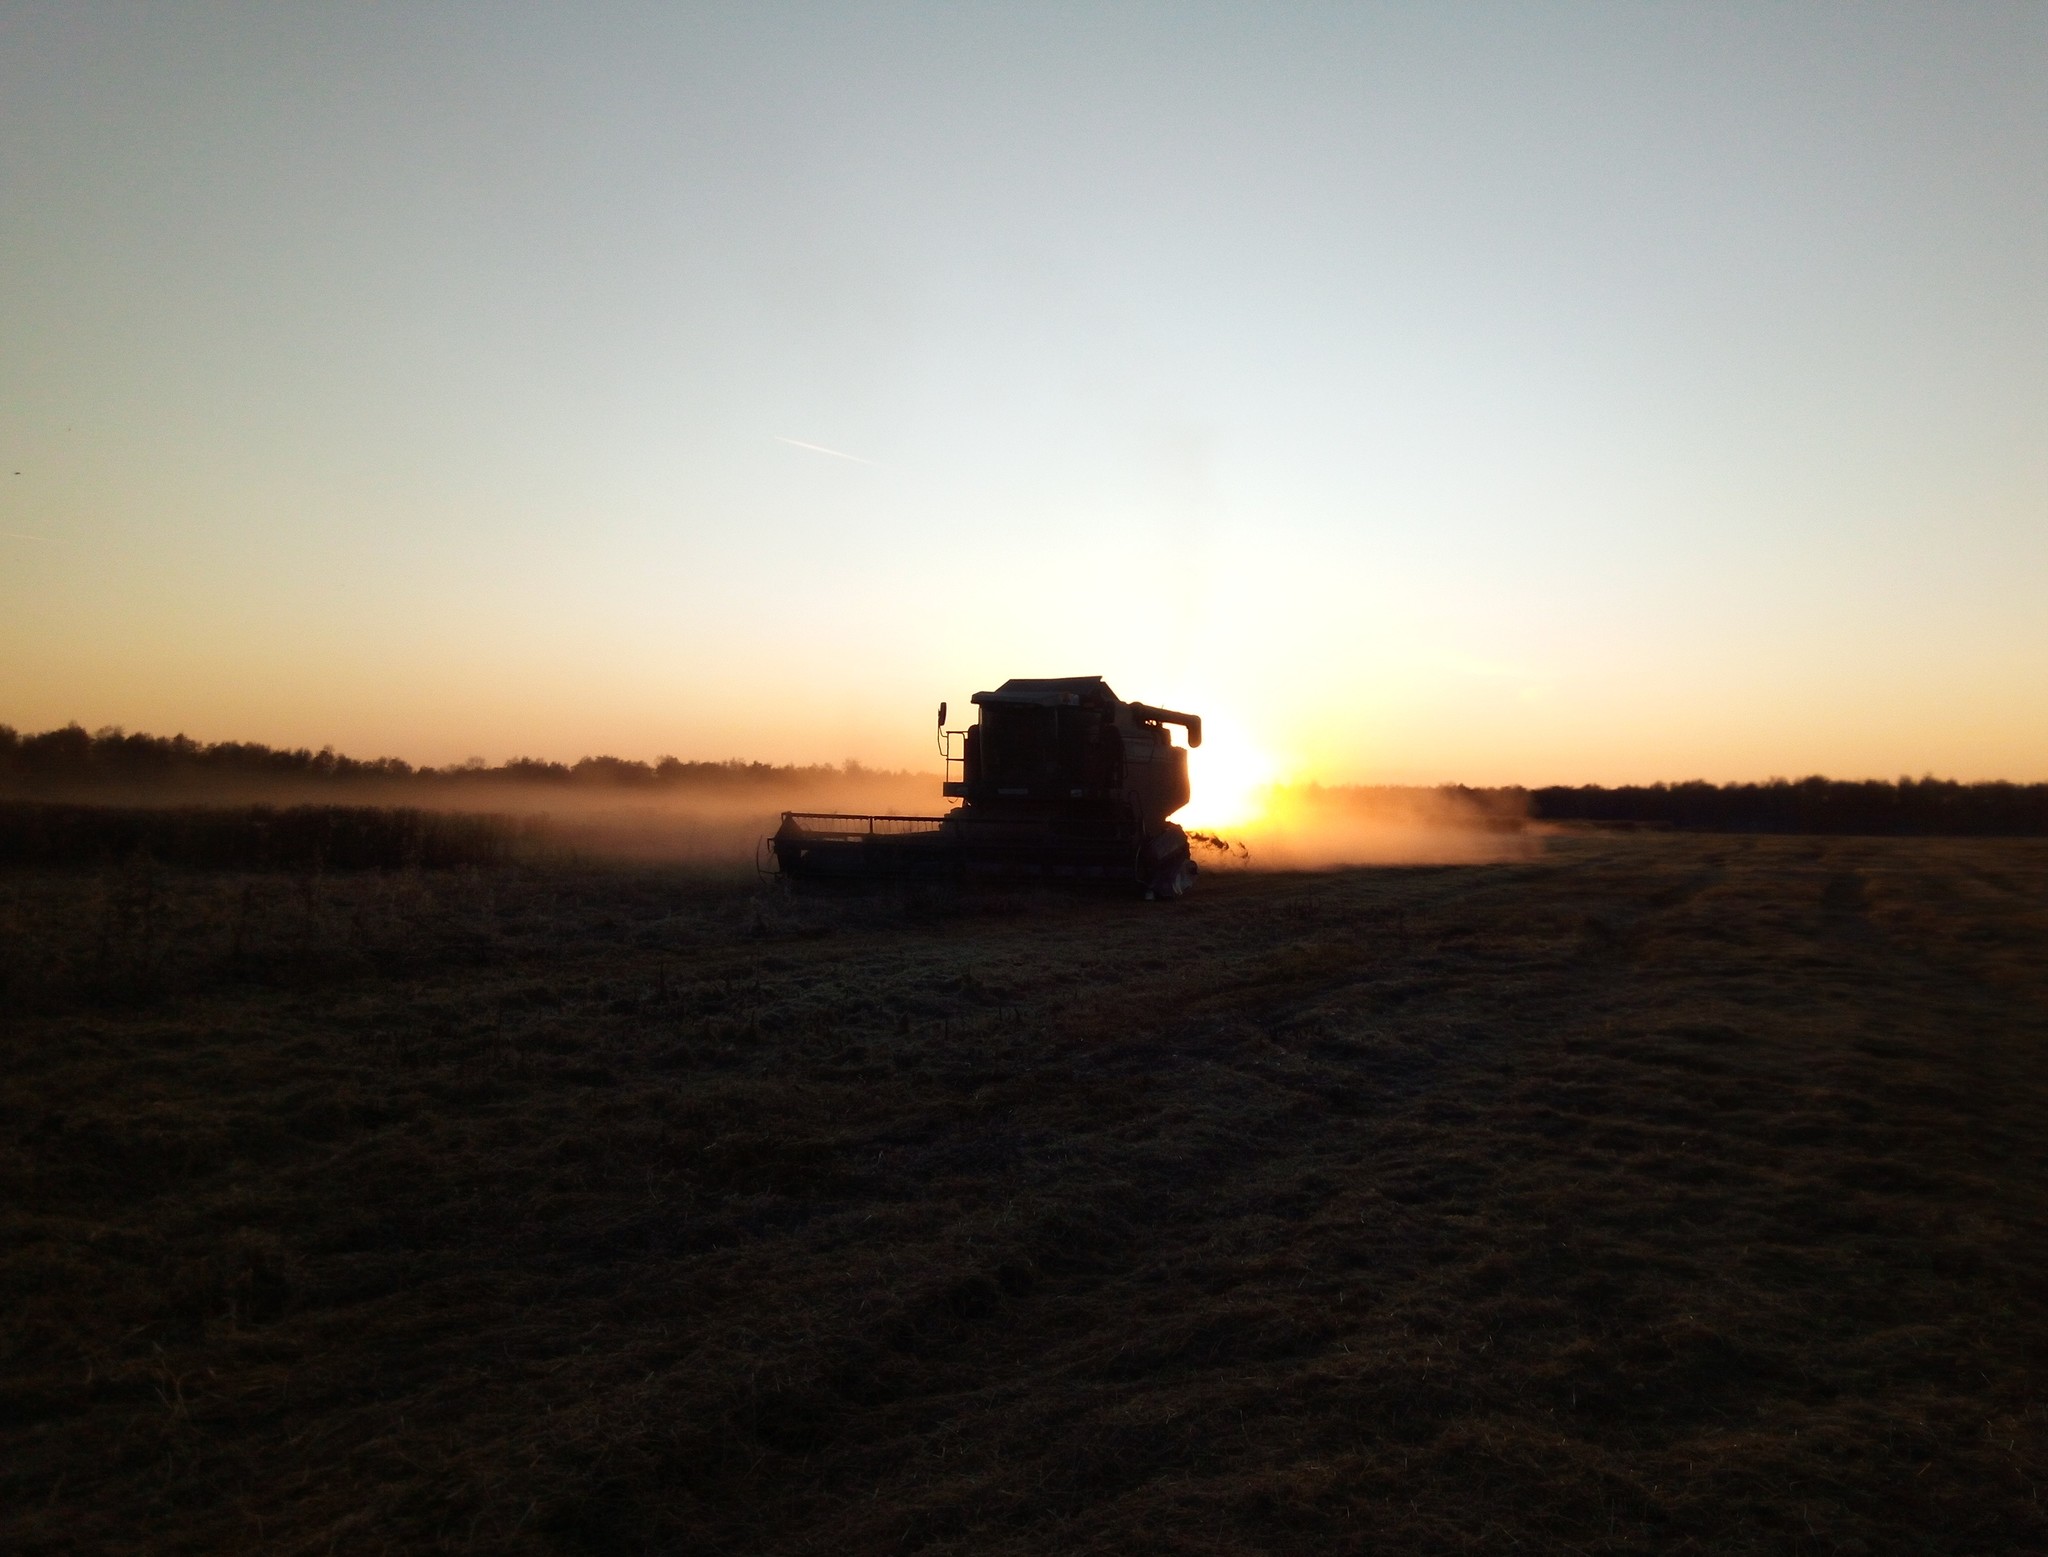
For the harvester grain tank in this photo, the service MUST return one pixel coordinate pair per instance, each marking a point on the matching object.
(1058, 780)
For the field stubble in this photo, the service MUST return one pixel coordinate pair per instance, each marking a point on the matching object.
(1654, 1194)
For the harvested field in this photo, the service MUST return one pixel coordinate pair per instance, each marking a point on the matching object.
(1660, 1193)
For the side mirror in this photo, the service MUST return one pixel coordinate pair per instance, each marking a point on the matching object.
(942, 716)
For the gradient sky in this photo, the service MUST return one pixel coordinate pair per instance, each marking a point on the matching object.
(1541, 393)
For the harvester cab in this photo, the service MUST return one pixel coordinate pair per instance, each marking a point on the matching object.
(1058, 780)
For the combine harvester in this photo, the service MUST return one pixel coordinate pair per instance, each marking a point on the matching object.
(1060, 781)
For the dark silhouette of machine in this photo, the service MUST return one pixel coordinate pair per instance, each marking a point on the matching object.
(1059, 780)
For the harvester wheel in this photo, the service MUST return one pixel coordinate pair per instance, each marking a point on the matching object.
(1166, 870)
(1172, 880)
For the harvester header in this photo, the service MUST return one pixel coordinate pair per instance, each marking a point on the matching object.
(1058, 780)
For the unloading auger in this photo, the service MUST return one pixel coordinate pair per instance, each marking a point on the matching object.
(1058, 780)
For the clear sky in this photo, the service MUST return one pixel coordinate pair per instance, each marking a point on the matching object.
(1533, 393)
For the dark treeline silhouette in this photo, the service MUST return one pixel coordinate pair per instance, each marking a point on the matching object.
(1809, 805)
(294, 838)
(73, 763)
(72, 759)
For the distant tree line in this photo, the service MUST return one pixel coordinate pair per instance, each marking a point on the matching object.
(1808, 805)
(72, 759)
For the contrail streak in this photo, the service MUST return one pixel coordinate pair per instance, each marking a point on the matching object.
(819, 448)
(16, 535)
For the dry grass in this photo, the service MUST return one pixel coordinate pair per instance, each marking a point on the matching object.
(303, 838)
(1659, 1194)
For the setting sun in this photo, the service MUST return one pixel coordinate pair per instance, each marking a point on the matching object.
(1229, 775)
(923, 777)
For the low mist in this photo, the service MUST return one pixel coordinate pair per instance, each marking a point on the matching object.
(713, 813)
(1315, 826)
(704, 824)
(717, 813)
(707, 826)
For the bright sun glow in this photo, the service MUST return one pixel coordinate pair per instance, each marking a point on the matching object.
(1229, 776)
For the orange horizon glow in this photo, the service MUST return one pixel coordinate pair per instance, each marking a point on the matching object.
(1232, 776)
(1422, 396)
